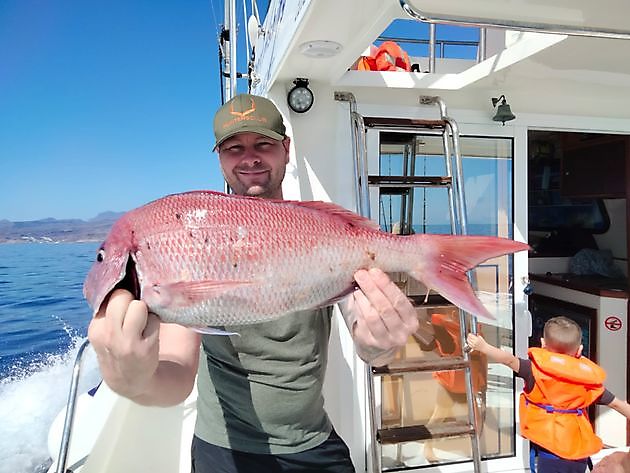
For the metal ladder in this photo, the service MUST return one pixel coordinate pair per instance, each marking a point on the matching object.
(453, 183)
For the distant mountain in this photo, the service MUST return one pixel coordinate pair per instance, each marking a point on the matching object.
(108, 216)
(51, 230)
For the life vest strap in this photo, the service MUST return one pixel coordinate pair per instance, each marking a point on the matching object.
(550, 409)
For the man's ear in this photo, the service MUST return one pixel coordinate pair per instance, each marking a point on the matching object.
(578, 353)
(286, 143)
(542, 342)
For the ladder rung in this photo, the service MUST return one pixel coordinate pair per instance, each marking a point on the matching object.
(435, 301)
(411, 366)
(424, 432)
(397, 182)
(385, 122)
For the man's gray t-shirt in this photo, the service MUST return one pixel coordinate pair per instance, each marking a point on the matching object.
(261, 391)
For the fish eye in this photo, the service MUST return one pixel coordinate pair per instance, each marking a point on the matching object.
(100, 256)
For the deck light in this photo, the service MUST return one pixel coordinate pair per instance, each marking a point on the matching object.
(504, 114)
(320, 48)
(300, 97)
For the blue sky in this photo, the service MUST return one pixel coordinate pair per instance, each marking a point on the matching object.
(108, 105)
(105, 105)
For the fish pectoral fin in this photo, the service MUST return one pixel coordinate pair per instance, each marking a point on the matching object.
(212, 331)
(338, 297)
(186, 293)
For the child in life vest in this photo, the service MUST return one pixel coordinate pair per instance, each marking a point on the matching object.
(560, 385)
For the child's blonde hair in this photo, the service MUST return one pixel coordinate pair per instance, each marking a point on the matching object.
(562, 335)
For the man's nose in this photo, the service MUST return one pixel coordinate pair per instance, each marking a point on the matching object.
(250, 157)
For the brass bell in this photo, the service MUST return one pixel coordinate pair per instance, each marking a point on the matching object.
(504, 113)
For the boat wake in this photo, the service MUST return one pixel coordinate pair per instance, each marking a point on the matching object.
(30, 398)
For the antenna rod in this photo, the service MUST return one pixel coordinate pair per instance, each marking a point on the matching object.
(232, 48)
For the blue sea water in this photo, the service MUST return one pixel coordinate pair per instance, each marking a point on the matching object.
(43, 320)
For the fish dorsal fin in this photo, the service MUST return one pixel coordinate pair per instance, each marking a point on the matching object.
(338, 211)
(332, 209)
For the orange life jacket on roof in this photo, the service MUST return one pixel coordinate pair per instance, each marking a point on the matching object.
(389, 56)
(453, 380)
(554, 414)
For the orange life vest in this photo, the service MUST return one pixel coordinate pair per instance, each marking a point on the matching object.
(554, 414)
(389, 56)
(453, 380)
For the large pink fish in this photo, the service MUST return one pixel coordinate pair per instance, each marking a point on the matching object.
(206, 258)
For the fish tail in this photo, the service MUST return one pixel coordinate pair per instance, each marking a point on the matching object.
(446, 260)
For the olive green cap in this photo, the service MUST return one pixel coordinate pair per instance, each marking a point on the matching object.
(248, 113)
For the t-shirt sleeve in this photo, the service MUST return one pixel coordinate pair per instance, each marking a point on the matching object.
(606, 398)
(525, 372)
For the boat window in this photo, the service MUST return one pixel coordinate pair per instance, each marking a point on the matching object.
(568, 174)
(431, 398)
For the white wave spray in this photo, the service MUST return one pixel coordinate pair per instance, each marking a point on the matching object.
(30, 399)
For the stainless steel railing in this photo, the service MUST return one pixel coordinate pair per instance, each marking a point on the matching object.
(550, 28)
(62, 458)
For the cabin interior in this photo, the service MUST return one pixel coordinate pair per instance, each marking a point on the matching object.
(577, 220)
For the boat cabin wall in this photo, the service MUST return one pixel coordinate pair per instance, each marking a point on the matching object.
(321, 162)
(322, 168)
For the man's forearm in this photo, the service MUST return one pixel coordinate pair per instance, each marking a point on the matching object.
(169, 386)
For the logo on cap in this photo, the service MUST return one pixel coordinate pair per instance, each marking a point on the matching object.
(245, 113)
(243, 116)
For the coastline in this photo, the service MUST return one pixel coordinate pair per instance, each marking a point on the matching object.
(46, 240)
(51, 230)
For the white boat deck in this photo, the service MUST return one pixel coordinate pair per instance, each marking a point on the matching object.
(113, 434)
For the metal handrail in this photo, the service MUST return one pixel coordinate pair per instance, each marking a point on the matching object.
(483, 40)
(359, 151)
(432, 35)
(62, 458)
(440, 42)
(451, 130)
(534, 27)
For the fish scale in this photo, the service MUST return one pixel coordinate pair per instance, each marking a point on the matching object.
(205, 258)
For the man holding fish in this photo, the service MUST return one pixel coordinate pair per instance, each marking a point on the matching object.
(264, 273)
(260, 404)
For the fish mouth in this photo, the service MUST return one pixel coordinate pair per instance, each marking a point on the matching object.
(130, 281)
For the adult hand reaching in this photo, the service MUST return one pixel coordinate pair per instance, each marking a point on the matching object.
(618, 462)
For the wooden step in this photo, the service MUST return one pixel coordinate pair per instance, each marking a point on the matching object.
(413, 366)
(424, 432)
(435, 301)
(387, 122)
(399, 184)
